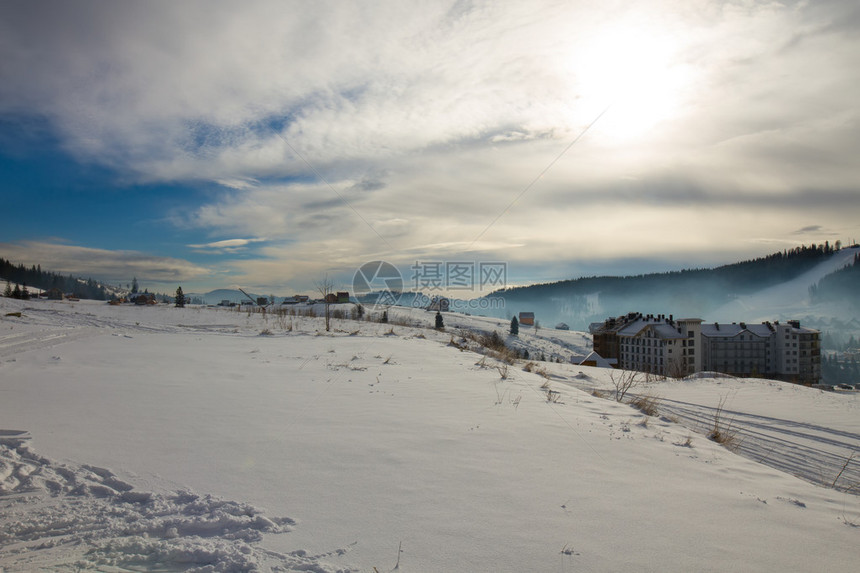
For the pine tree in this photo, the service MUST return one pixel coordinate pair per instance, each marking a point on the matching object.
(180, 298)
(8, 292)
(439, 321)
(515, 326)
(134, 285)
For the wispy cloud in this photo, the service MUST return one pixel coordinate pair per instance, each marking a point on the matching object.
(112, 267)
(227, 245)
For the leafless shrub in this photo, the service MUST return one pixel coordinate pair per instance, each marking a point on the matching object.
(338, 313)
(552, 396)
(652, 377)
(623, 381)
(325, 287)
(503, 371)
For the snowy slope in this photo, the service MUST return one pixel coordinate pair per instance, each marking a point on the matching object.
(172, 439)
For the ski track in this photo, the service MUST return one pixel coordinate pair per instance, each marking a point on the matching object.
(71, 518)
(13, 344)
(59, 327)
(813, 453)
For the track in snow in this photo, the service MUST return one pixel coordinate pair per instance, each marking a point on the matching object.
(814, 453)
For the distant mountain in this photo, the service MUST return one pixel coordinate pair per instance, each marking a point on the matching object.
(775, 287)
(232, 295)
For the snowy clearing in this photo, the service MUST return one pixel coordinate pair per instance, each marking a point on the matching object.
(164, 439)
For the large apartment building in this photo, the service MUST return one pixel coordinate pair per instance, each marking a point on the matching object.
(651, 343)
(665, 346)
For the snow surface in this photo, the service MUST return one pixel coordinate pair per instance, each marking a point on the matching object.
(203, 439)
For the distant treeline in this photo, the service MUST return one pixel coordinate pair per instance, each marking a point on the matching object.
(742, 277)
(691, 291)
(839, 372)
(841, 285)
(35, 277)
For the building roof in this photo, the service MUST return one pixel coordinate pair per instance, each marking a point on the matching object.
(663, 329)
(598, 360)
(718, 330)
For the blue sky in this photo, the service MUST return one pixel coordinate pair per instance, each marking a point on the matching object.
(268, 144)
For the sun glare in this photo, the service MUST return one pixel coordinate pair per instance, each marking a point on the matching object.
(633, 74)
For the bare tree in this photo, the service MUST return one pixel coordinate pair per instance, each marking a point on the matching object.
(623, 380)
(325, 287)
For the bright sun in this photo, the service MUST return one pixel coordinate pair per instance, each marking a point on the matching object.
(633, 74)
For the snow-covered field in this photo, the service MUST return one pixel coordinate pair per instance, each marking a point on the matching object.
(156, 438)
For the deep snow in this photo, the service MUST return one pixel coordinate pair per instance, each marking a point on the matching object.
(158, 438)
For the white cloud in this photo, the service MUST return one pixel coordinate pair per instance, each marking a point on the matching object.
(427, 120)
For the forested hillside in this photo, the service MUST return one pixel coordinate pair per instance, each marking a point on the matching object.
(35, 277)
(691, 292)
(842, 285)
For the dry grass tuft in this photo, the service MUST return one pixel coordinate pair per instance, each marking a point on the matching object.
(647, 404)
(723, 431)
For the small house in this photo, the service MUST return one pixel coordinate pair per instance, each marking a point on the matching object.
(343, 297)
(595, 359)
(562, 326)
(296, 299)
(527, 318)
(142, 299)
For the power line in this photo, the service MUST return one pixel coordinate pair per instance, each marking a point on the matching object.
(540, 175)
